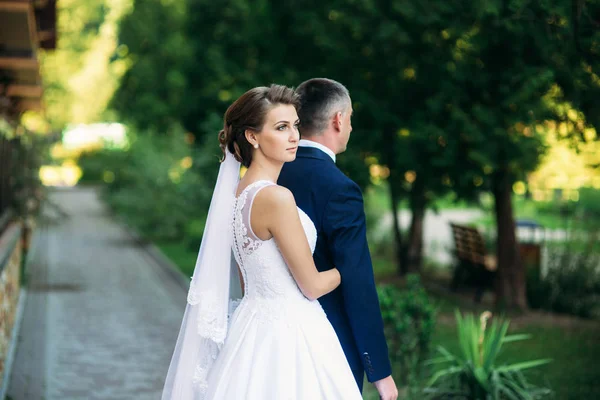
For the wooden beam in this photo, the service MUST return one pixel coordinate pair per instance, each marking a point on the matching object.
(30, 105)
(30, 91)
(18, 63)
(15, 6)
(31, 21)
(46, 35)
(25, 7)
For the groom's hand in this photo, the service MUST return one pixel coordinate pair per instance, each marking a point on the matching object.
(386, 388)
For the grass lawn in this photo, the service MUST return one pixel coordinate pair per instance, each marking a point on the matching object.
(574, 348)
(573, 344)
(182, 256)
(574, 373)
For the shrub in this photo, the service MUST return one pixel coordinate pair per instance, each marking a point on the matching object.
(589, 203)
(28, 154)
(97, 166)
(379, 231)
(474, 373)
(409, 317)
(160, 185)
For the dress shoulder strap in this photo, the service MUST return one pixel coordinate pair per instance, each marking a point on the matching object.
(250, 194)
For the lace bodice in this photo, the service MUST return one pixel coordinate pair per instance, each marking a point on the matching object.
(265, 273)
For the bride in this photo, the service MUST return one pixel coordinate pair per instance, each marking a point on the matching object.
(278, 343)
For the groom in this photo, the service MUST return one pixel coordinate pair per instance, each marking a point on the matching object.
(335, 205)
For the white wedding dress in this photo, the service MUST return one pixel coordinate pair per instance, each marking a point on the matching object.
(279, 345)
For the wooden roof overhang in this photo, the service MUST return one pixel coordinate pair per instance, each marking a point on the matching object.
(25, 27)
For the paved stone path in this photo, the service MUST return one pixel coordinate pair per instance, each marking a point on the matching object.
(101, 317)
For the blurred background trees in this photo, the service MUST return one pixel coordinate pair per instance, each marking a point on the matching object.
(452, 100)
(486, 109)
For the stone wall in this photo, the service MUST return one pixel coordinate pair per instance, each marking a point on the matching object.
(10, 276)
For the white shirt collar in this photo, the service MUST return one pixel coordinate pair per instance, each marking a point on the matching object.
(324, 149)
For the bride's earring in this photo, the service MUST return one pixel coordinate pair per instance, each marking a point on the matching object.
(256, 145)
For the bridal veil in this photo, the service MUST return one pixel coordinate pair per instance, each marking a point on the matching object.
(204, 326)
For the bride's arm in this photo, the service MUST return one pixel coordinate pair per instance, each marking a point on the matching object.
(276, 209)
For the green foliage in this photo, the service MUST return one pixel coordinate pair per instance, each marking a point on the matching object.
(381, 242)
(574, 29)
(152, 40)
(97, 166)
(81, 75)
(571, 284)
(475, 373)
(447, 96)
(450, 102)
(29, 153)
(589, 204)
(161, 193)
(7, 130)
(184, 256)
(409, 316)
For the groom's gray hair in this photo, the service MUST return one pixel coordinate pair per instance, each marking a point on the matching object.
(320, 99)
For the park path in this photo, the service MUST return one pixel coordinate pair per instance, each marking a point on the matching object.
(101, 316)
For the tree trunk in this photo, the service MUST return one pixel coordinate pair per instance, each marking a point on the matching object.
(418, 206)
(389, 158)
(510, 282)
(399, 248)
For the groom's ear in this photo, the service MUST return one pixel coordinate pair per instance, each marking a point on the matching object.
(337, 121)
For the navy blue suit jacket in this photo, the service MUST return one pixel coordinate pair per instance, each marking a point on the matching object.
(335, 204)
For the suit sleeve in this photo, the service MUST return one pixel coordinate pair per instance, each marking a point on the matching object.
(345, 228)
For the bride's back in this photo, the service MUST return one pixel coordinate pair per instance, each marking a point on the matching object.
(264, 271)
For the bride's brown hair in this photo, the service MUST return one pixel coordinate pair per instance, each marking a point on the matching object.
(249, 113)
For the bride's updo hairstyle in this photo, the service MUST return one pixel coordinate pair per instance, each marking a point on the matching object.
(249, 112)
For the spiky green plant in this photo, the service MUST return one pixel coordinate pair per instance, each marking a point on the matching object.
(475, 373)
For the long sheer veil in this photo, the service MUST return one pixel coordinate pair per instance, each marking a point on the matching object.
(213, 285)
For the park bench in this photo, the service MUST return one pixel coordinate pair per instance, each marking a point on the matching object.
(474, 266)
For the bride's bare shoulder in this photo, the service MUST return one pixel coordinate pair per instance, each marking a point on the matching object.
(275, 197)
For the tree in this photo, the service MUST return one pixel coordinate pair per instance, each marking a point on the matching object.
(236, 45)
(80, 76)
(152, 40)
(518, 82)
(506, 76)
(447, 94)
(394, 58)
(450, 93)
(575, 31)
